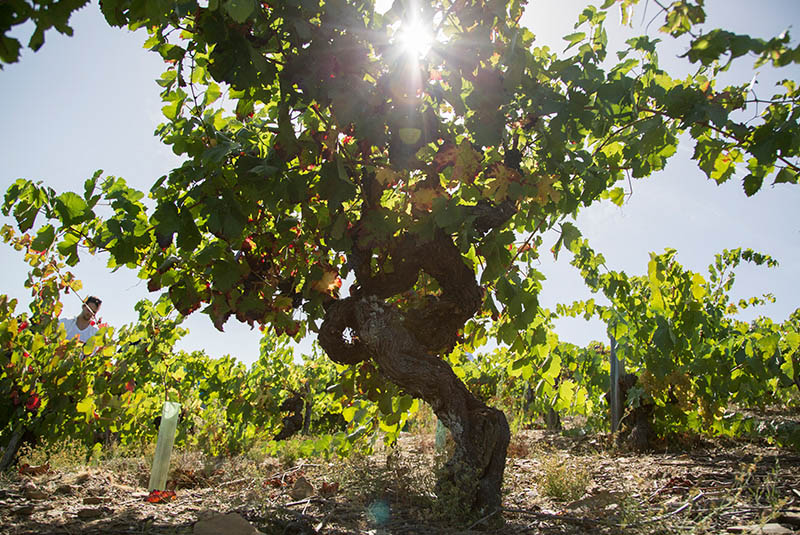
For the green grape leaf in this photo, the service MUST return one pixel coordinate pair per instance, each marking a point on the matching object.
(240, 10)
(44, 238)
(71, 208)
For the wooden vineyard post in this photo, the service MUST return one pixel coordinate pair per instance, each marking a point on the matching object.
(166, 439)
(614, 398)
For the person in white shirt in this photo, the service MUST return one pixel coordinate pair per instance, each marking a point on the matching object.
(83, 325)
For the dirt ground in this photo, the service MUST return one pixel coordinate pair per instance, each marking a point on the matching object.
(553, 484)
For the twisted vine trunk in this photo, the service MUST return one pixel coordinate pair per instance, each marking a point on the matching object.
(405, 346)
(480, 433)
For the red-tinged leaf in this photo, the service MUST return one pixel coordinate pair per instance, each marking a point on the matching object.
(33, 402)
(445, 156)
(422, 197)
(160, 496)
(329, 489)
(28, 470)
(274, 482)
(467, 164)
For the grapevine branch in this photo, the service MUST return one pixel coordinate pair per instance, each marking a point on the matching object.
(722, 132)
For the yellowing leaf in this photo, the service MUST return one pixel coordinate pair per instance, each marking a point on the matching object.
(698, 286)
(388, 428)
(348, 413)
(545, 191)
(467, 163)
(422, 198)
(329, 283)
(386, 176)
(86, 406)
(656, 299)
(179, 374)
(499, 178)
(566, 394)
(89, 346)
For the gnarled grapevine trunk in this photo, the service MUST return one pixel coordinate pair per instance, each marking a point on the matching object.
(405, 346)
(481, 433)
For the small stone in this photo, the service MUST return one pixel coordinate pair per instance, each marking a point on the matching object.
(789, 517)
(599, 500)
(230, 524)
(90, 512)
(765, 529)
(93, 500)
(24, 510)
(66, 490)
(35, 494)
(205, 514)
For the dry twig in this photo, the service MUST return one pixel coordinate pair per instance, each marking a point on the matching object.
(575, 520)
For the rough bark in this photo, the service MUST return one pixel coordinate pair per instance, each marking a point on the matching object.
(552, 420)
(480, 433)
(637, 424)
(13, 446)
(405, 346)
(309, 401)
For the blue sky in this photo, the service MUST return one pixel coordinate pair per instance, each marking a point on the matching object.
(89, 102)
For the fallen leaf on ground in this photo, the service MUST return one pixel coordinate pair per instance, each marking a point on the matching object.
(160, 496)
(329, 489)
(274, 482)
(301, 489)
(28, 470)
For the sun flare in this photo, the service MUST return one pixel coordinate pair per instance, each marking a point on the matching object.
(415, 38)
